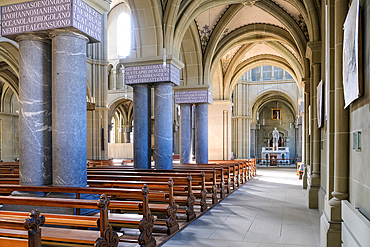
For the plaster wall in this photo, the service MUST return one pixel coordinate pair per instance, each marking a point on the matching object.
(219, 130)
(265, 131)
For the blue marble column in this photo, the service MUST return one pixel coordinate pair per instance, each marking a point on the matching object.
(185, 133)
(163, 107)
(252, 143)
(141, 126)
(201, 133)
(69, 109)
(35, 157)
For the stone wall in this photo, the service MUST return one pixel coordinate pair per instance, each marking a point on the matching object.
(359, 169)
(9, 136)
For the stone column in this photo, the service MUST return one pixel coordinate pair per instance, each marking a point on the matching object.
(114, 77)
(127, 135)
(252, 141)
(141, 111)
(35, 151)
(314, 184)
(69, 109)
(299, 139)
(341, 123)
(201, 133)
(175, 138)
(307, 136)
(185, 133)
(163, 96)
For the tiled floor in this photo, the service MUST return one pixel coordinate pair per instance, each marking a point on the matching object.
(270, 210)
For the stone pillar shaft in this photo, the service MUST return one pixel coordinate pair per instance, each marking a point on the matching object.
(69, 109)
(307, 130)
(141, 111)
(35, 137)
(185, 133)
(201, 133)
(314, 184)
(341, 116)
(163, 125)
(127, 137)
(316, 132)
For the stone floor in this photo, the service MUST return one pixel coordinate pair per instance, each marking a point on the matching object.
(269, 210)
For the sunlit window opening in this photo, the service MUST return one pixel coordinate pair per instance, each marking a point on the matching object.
(123, 35)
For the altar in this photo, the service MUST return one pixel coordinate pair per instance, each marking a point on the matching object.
(279, 155)
(275, 154)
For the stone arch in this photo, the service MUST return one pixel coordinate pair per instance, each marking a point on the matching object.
(9, 64)
(192, 10)
(192, 58)
(254, 33)
(253, 63)
(272, 95)
(118, 101)
(148, 31)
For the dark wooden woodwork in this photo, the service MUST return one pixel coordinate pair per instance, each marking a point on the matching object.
(190, 214)
(214, 188)
(203, 195)
(171, 222)
(222, 183)
(146, 224)
(108, 238)
(32, 224)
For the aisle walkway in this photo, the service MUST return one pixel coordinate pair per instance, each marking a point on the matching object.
(270, 210)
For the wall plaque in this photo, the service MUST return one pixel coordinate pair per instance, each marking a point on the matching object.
(43, 15)
(151, 74)
(193, 97)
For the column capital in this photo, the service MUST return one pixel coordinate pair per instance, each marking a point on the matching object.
(41, 36)
(307, 87)
(337, 198)
(306, 80)
(61, 32)
(313, 51)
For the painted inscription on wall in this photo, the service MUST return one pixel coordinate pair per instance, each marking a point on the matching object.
(87, 19)
(193, 97)
(151, 74)
(50, 14)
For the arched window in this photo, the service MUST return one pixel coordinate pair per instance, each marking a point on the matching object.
(123, 35)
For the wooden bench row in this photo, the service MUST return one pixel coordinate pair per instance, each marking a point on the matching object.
(62, 236)
(190, 185)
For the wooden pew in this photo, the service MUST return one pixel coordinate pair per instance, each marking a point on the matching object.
(117, 193)
(61, 236)
(94, 163)
(31, 224)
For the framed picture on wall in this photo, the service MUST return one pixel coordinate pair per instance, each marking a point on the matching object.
(275, 113)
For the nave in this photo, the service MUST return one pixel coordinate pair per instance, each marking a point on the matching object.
(269, 210)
